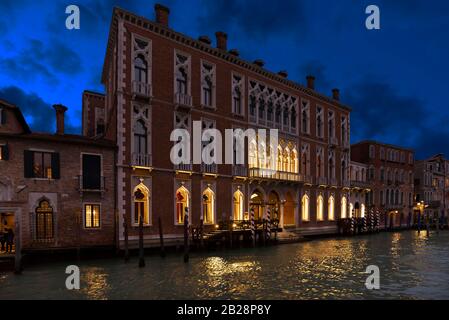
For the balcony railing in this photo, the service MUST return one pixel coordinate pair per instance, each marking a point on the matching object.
(252, 119)
(359, 184)
(183, 100)
(292, 130)
(239, 171)
(274, 175)
(184, 167)
(346, 183)
(321, 181)
(209, 168)
(142, 89)
(308, 179)
(333, 182)
(141, 160)
(89, 185)
(262, 121)
(346, 145)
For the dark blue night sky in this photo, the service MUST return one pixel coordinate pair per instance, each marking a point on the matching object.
(395, 79)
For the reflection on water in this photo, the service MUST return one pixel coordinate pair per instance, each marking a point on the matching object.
(412, 266)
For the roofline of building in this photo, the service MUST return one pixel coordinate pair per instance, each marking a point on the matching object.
(149, 25)
(65, 138)
(94, 93)
(18, 113)
(358, 163)
(382, 144)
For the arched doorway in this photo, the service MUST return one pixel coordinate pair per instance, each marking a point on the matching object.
(141, 204)
(274, 205)
(256, 203)
(182, 202)
(289, 210)
(343, 211)
(357, 210)
(44, 221)
(238, 206)
(208, 206)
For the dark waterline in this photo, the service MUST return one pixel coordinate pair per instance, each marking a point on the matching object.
(411, 266)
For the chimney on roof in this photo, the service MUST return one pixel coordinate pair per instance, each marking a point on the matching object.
(205, 40)
(283, 73)
(60, 111)
(259, 63)
(222, 40)
(336, 94)
(234, 52)
(310, 82)
(162, 13)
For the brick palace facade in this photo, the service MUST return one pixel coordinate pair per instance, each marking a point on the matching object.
(70, 190)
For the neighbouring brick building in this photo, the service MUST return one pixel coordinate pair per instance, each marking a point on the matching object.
(432, 186)
(157, 79)
(391, 178)
(57, 191)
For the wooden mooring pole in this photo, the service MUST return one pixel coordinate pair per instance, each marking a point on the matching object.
(253, 229)
(18, 249)
(161, 238)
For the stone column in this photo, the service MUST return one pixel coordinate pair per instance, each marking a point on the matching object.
(281, 214)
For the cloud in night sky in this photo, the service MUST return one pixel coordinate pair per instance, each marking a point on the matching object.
(40, 115)
(395, 79)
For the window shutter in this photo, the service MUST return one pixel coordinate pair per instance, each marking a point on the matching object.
(3, 115)
(28, 163)
(55, 172)
(5, 152)
(91, 172)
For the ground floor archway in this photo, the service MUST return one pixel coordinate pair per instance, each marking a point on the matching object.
(257, 203)
(289, 210)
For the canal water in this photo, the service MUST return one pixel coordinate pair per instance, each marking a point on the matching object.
(411, 266)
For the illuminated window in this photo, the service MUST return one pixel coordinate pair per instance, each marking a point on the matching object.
(91, 216)
(238, 205)
(286, 160)
(344, 205)
(208, 206)
(319, 208)
(305, 208)
(331, 208)
(44, 165)
(142, 205)
(294, 161)
(182, 203)
(44, 221)
(279, 159)
(252, 155)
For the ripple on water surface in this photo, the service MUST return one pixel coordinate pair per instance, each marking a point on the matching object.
(412, 266)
